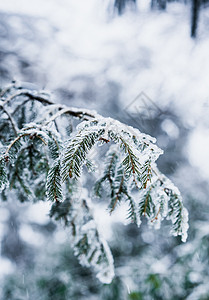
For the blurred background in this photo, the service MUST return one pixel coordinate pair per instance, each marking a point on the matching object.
(146, 64)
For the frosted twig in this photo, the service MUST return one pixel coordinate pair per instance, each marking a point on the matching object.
(10, 119)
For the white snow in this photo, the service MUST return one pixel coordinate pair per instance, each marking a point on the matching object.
(6, 267)
(38, 212)
(28, 235)
(170, 128)
(198, 150)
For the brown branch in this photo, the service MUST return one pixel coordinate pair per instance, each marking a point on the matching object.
(39, 137)
(56, 142)
(18, 138)
(156, 217)
(14, 141)
(104, 140)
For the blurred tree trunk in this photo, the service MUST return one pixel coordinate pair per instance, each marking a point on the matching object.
(158, 4)
(120, 5)
(195, 17)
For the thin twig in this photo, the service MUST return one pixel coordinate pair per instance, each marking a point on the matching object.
(14, 141)
(156, 217)
(81, 114)
(10, 119)
(29, 95)
(67, 110)
(18, 138)
(38, 136)
(3, 92)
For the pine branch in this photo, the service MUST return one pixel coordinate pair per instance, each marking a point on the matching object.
(146, 204)
(118, 194)
(156, 217)
(14, 142)
(146, 173)
(131, 162)
(53, 184)
(54, 145)
(77, 150)
(111, 160)
(139, 152)
(132, 211)
(91, 250)
(98, 187)
(178, 215)
(23, 185)
(3, 174)
(128, 171)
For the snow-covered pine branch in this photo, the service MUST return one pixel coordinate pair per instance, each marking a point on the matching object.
(43, 154)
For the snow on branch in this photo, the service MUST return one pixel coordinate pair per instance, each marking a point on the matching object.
(43, 155)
